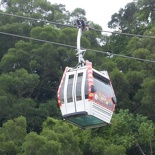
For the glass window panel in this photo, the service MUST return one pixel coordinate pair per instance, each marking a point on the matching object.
(78, 86)
(105, 88)
(62, 92)
(69, 88)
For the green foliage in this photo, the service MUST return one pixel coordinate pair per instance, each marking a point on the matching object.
(121, 87)
(46, 33)
(12, 135)
(8, 148)
(141, 53)
(146, 132)
(97, 146)
(125, 18)
(147, 97)
(19, 82)
(129, 130)
(78, 12)
(39, 145)
(115, 150)
(31, 73)
(65, 135)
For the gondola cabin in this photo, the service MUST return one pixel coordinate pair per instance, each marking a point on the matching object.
(86, 96)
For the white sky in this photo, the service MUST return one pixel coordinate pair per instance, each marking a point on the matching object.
(98, 11)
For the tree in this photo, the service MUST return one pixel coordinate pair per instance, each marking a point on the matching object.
(19, 83)
(31, 72)
(76, 14)
(97, 146)
(65, 134)
(121, 87)
(39, 145)
(115, 150)
(135, 79)
(9, 41)
(148, 98)
(12, 135)
(124, 20)
(34, 114)
(131, 130)
(127, 20)
(146, 12)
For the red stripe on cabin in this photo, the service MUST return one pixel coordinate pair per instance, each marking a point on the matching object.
(90, 80)
(58, 92)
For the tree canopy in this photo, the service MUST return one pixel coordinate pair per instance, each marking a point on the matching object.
(31, 70)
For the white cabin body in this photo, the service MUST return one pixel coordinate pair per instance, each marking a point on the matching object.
(86, 97)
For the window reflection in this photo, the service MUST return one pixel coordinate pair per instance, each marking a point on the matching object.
(78, 86)
(62, 91)
(105, 88)
(69, 88)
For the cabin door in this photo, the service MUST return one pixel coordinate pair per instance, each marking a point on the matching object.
(74, 92)
(79, 95)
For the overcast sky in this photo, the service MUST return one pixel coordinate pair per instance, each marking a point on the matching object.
(98, 11)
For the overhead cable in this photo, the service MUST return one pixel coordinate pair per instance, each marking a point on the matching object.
(35, 19)
(56, 23)
(35, 39)
(65, 45)
(119, 55)
(127, 34)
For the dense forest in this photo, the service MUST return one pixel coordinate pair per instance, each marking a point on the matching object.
(37, 42)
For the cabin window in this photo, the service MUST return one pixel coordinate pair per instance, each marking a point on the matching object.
(101, 86)
(62, 92)
(69, 88)
(78, 86)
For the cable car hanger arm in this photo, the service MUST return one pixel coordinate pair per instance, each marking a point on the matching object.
(80, 53)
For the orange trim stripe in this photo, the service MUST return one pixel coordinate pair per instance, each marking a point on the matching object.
(58, 92)
(90, 80)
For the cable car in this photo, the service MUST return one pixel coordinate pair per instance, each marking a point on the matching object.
(86, 96)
